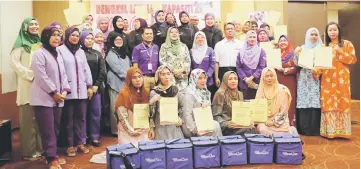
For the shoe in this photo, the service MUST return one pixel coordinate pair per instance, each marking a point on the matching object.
(303, 156)
(32, 158)
(61, 160)
(54, 165)
(83, 149)
(71, 152)
(95, 143)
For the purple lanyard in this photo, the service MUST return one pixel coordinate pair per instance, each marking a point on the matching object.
(149, 54)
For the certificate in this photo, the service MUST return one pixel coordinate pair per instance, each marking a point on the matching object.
(204, 119)
(266, 46)
(323, 57)
(306, 58)
(259, 110)
(141, 116)
(273, 58)
(168, 110)
(241, 113)
(34, 48)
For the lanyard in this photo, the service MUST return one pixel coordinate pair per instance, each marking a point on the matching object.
(149, 54)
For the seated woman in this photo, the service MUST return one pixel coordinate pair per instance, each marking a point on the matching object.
(279, 99)
(132, 93)
(164, 88)
(222, 106)
(196, 95)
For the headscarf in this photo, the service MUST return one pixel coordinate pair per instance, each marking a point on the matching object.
(272, 93)
(203, 96)
(130, 95)
(72, 47)
(174, 22)
(83, 36)
(173, 46)
(122, 51)
(45, 39)
(116, 29)
(262, 30)
(205, 18)
(308, 44)
(180, 17)
(96, 46)
(156, 15)
(227, 95)
(249, 55)
(199, 51)
(288, 53)
(25, 39)
(164, 91)
(62, 37)
(143, 23)
(104, 19)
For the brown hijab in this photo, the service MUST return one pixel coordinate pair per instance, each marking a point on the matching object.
(130, 95)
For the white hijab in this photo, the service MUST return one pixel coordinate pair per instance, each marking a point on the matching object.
(199, 51)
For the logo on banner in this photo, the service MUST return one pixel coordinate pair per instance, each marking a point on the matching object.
(289, 153)
(152, 160)
(207, 156)
(180, 159)
(261, 152)
(235, 153)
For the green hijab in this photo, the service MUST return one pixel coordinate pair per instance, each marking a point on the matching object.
(173, 45)
(25, 39)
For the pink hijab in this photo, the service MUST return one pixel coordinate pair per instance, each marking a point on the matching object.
(104, 19)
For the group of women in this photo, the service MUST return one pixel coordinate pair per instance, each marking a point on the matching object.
(68, 83)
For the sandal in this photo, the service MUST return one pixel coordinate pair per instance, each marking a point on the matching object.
(83, 149)
(54, 165)
(71, 152)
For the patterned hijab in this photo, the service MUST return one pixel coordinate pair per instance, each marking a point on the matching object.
(199, 51)
(203, 96)
(164, 91)
(226, 94)
(174, 46)
(308, 44)
(288, 53)
(25, 39)
(249, 55)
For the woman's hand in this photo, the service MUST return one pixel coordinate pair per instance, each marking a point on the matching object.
(154, 99)
(151, 134)
(90, 93)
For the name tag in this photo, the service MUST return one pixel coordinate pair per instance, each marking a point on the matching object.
(143, 50)
(150, 66)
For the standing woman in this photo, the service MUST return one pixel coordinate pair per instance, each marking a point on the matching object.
(203, 57)
(308, 112)
(30, 141)
(187, 30)
(80, 81)
(222, 106)
(175, 55)
(160, 33)
(196, 95)
(103, 25)
(99, 42)
(164, 88)
(262, 35)
(213, 34)
(135, 36)
(61, 31)
(118, 25)
(97, 67)
(335, 86)
(287, 75)
(250, 62)
(48, 91)
(118, 64)
(133, 92)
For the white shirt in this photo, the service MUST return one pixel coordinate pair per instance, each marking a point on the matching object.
(227, 51)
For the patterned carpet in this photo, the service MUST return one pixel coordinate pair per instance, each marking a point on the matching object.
(320, 153)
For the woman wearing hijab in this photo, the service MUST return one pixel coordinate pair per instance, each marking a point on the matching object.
(80, 81)
(99, 42)
(118, 25)
(135, 36)
(170, 21)
(335, 86)
(104, 26)
(126, 26)
(222, 106)
(175, 55)
(48, 91)
(203, 57)
(133, 92)
(160, 32)
(30, 141)
(262, 35)
(164, 88)
(60, 29)
(268, 28)
(287, 74)
(97, 67)
(279, 99)
(117, 65)
(187, 31)
(196, 95)
(250, 62)
(308, 112)
(213, 34)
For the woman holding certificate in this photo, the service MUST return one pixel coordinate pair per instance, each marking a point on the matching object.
(250, 62)
(175, 54)
(308, 112)
(279, 99)
(287, 74)
(222, 106)
(335, 86)
(197, 114)
(132, 126)
(164, 89)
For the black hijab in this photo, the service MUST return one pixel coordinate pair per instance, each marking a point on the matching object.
(122, 51)
(73, 48)
(45, 39)
(116, 29)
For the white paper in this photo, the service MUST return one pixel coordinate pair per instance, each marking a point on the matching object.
(273, 58)
(306, 58)
(323, 57)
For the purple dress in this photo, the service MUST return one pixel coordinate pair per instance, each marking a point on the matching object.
(208, 64)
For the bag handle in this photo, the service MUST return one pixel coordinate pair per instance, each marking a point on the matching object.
(259, 136)
(127, 163)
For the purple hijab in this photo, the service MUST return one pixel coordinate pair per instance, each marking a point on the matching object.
(205, 18)
(262, 30)
(72, 47)
(83, 36)
(54, 24)
(249, 55)
(143, 23)
(45, 39)
(156, 14)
